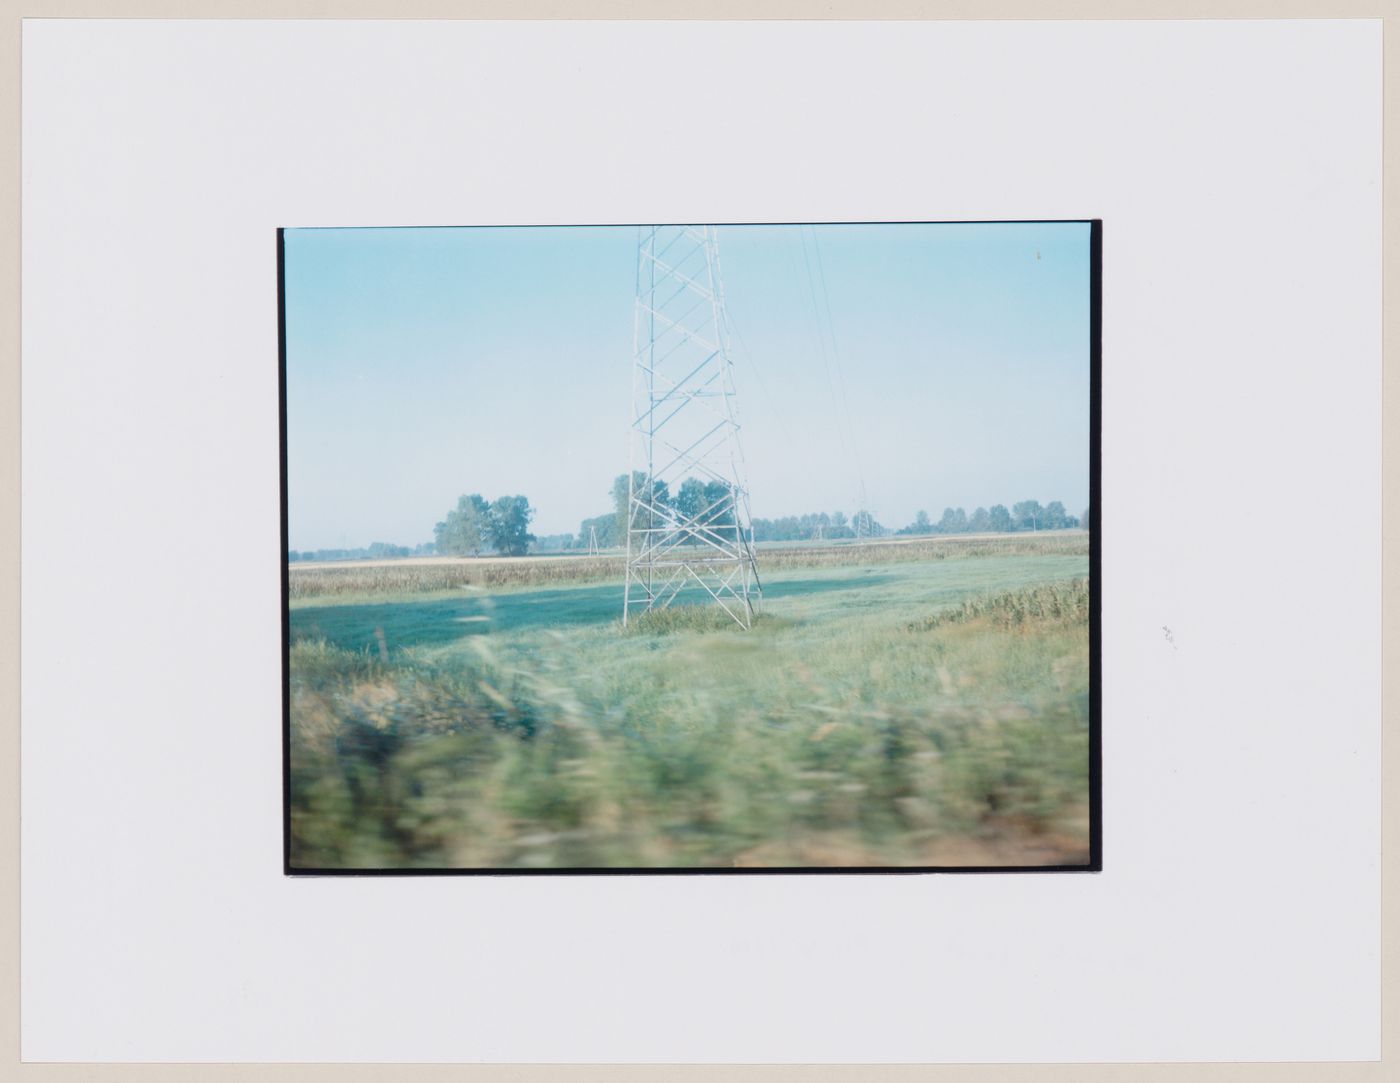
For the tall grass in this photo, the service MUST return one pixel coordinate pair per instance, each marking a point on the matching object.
(1055, 602)
(417, 578)
(826, 735)
(696, 619)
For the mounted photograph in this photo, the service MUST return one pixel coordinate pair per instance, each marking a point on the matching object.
(690, 548)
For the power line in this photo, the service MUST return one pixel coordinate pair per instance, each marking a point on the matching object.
(836, 356)
(753, 364)
(817, 320)
(847, 433)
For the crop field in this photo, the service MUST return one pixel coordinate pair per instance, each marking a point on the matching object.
(373, 578)
(927, 711)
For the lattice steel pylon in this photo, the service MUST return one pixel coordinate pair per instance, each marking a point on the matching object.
(689, 524)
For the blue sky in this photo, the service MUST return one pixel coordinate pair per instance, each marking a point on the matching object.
(953, 370)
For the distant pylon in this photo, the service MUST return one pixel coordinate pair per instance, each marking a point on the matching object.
(593, 541)
(688, 501)
(862, 524)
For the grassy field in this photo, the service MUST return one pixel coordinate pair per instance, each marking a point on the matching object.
(916, 709)
(370, 579)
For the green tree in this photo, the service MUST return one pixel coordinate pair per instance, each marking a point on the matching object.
(690, 498)
(999, 519)
(954, 521)
(980, 521)
(718, 509)
(710, 503)
(603, 527)
(922, 523)
(1055, 516)
(620, 493)
(1028, 515)
(508, 525)
(464, 531)
(661, 495)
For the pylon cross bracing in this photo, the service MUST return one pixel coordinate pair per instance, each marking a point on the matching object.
(689, 533)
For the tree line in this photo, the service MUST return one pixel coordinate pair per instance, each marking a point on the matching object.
(818, 526)
(1027, 515)
(374, 551)
(709, 501)
(477, 524)
(835, 526)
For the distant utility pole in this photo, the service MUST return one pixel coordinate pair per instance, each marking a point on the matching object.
(683, 430)
(593, 541)
(864, 516)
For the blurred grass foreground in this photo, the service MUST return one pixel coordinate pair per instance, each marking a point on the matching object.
(925, 711)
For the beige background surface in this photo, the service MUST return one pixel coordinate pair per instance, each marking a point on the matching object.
(775, 9)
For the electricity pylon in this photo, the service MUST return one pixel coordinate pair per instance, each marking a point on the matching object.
(687, 499)
(863, 514)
